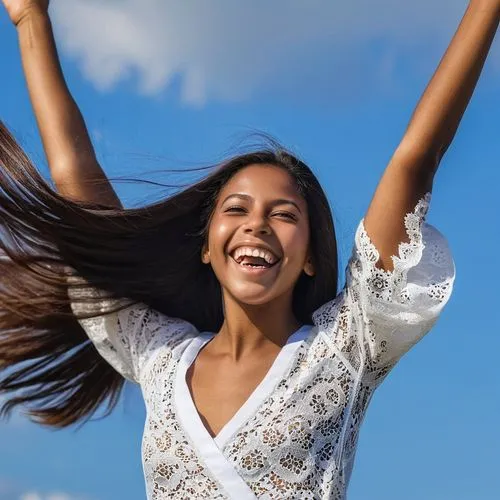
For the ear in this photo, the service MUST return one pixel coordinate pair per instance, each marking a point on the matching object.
(205, 255)
(309, 267)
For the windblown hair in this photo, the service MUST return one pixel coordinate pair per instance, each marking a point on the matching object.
(150, 255)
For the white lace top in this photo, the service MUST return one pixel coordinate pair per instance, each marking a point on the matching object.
(295, 437)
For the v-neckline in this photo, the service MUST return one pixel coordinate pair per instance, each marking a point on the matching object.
(187, 410)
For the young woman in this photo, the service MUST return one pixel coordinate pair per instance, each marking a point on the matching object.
(221, 302)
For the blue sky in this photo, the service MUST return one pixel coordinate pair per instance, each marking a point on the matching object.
(164, 84)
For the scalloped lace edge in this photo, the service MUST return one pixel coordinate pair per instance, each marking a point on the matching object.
(409, 253)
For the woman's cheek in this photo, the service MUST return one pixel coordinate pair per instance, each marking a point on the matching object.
(295, 245)
(218, 236)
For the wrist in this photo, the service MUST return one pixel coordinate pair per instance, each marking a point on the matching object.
(32, 12)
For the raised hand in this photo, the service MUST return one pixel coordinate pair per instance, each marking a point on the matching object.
(431, 130)
(19, 9)
(70, 154)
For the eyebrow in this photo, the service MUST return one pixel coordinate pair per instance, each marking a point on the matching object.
(279, 201)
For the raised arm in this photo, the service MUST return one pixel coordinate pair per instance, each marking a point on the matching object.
(70, 154)
(410, 173)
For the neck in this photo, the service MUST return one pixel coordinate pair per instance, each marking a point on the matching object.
(248, 329)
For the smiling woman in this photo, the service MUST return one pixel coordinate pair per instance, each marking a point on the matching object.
(221, 302)
(262, 211)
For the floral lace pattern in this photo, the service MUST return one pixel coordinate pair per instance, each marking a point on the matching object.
(172, 466)
(301, 441)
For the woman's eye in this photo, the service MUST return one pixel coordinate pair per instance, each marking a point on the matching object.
(235, 210)
(286, 215)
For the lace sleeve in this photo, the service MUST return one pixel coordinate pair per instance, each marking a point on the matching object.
(129, 338)
(387, 312)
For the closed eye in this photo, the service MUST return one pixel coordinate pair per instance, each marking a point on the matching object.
(285, 215)
(235, 209)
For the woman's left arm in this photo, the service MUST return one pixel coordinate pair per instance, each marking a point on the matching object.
(410, 172)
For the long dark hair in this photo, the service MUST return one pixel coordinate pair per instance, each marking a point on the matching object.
(150, 255)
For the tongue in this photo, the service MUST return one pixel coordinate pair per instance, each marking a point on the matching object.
(255, 261)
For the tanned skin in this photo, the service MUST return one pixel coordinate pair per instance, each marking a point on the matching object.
(259, 316)
(71, 157)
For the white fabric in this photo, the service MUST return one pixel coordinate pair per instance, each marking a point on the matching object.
(296, 436)
(209, 449)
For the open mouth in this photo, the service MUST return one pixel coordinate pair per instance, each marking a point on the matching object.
(254, 258)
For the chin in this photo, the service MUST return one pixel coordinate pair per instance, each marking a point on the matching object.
(252, 295)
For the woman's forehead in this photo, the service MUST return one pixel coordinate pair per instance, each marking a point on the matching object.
(257, 181)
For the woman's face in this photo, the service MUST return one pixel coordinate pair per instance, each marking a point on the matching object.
(258, 240)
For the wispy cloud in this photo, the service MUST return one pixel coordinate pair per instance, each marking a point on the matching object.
(33, 495)
(228, 50)
(9, 490)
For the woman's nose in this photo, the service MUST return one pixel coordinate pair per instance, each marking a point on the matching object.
(257, 225)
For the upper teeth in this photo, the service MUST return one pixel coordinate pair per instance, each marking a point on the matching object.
(254, 252)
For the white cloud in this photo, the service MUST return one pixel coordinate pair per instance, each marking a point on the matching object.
(30, 496)
(227, 49)
(11, 491)
(33, 495)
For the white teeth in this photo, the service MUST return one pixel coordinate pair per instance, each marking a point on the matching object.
(254, 252)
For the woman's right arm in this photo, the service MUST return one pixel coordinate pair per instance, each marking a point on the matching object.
(71, 157)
